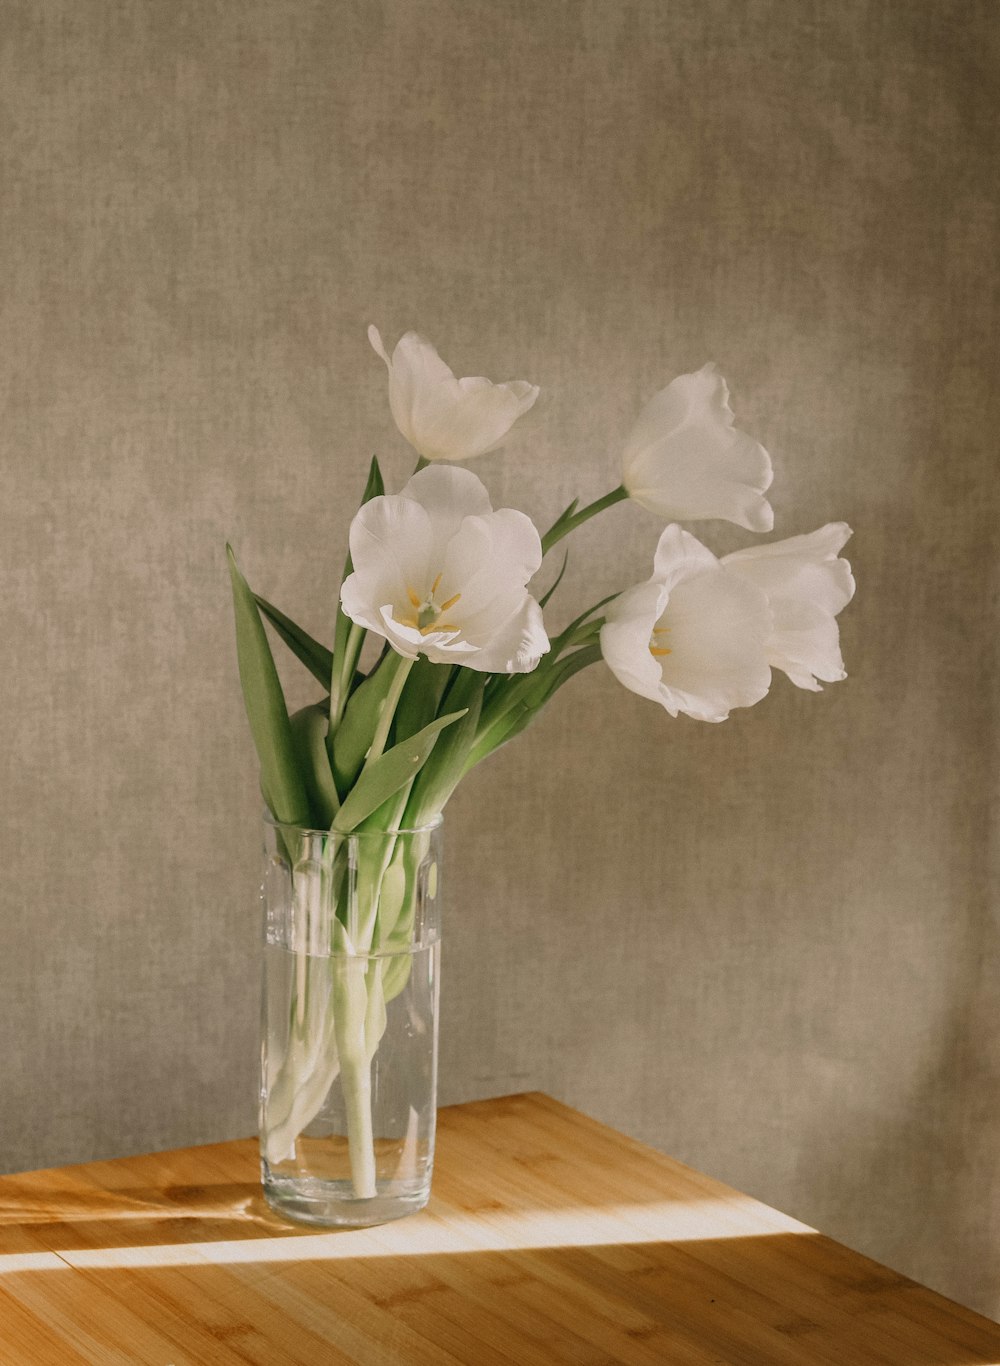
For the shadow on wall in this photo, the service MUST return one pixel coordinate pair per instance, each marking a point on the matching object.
(924, 1157)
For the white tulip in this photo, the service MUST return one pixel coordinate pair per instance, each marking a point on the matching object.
(684, 459)
(444, 418)
(694, 637)
(806, 585)
(438, 573)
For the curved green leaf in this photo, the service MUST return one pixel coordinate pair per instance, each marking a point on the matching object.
(316, 657)
(309, 732)
(390, 772)
(421, 696)
(265, 704)
(444, 769)
(543, 600)
(349, 638)
(353, 736)
(529, 703)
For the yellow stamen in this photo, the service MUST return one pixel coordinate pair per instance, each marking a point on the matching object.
(407, 621)
(434, 585)
(451, 601)
(661, 630)
(412, 595)
(658, 650)
(438, 626)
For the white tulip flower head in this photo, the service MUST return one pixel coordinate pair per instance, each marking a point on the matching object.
(807, 585)
(693, 637)
(438, 573)
(685, 460)
(444, 418)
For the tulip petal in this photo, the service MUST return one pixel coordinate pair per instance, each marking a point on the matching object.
(685, 459)
(459, 426)
(806, 585)
(448, 494)
(694, 637)
(625, 636)
(391, 542)
(806, 645)
(719, 628)
(802, 567)
(440, 647)
(515, 646)
(375, 338)
(679, 556)
(442, 417)
(486, 553)
(415, 369)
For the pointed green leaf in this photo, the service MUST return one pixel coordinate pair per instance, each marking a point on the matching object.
(265, 704)
(389, 773)
(564, 516)
(316, 657)
(570, 634)
(560, 673)
(423, 692)
(345, 659)
(543, 600)
(529, 703)
(445, 767)
(353, 736)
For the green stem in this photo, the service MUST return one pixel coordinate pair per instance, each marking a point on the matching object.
(340, 683)
(357, 1084)
(520, 711)
(401, 668)
(350, 1008)
(564, 525)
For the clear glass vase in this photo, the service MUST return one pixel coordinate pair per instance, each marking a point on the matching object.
(349, 1022)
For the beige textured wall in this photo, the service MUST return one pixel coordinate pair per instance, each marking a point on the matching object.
(765, 946)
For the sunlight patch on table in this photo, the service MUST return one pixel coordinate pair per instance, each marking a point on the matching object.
(452, 1232)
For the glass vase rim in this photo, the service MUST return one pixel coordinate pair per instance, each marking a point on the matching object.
(426, 828)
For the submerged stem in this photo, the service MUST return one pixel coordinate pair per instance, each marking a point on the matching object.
(351, 1012)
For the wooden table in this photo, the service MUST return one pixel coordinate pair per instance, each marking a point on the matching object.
(549, 1238)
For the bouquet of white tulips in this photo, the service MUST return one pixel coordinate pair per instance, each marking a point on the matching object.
(443, 581)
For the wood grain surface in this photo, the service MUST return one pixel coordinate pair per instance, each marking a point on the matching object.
(549, 1238)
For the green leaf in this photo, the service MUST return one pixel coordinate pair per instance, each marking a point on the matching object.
(265, 704)
(545, 596)
(389, 773)
(529, 703)
(445, 767)
(570, 634)
(570, 519)
(505, 693)
(555, 530)
(316, 657)
(561, 673)
(345, 649)
(352, 738)
(309, 733)
(423, 692)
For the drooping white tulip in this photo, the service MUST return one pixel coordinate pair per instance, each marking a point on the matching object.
(444, 418)
(807, 585)
(438, 573)
(694, 636)
(685, 460)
